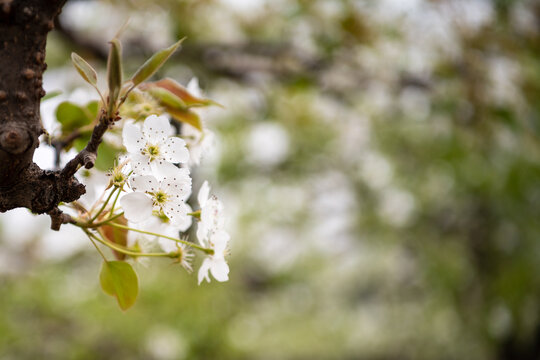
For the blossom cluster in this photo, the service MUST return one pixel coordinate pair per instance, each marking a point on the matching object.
(158, 185)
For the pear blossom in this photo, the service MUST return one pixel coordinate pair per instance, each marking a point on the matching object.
(212, 219)
(167, 196)
(216, 263)
(153, 148)
(211, 234)
(161, 224)
(198, 142)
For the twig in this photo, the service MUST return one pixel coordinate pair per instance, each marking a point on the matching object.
(87, 156)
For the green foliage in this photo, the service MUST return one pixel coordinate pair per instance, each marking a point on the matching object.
(154, 63)
(114, 73)
(86, 71)
(73, 117)
(118, 279)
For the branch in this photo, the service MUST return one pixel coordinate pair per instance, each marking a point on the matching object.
(24, 25)
(87, 156)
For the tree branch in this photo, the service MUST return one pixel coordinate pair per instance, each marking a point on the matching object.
(24, 25)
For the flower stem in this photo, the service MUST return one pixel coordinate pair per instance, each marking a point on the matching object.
(114, 202)
(122, 250)
(87, 225)
(203, 249)
(97, 247)
(103, 206)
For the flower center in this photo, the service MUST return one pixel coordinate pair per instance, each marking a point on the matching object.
(152, 151)
(160, 197)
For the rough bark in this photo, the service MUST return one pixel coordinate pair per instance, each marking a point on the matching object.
(24, 25)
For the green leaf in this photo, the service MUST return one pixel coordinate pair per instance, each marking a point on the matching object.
(181, 92)
(167, 98)
(72, 116)
(187, 116)
(154, 63)
(80, 143)
(114, 72)
(93, 108)
(105, 156)
(118, 279)
(84, 69)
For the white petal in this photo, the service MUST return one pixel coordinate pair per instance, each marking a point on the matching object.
(133, 139)
(137, 206)
(176, 211)
(157, 129)
(162, 169)
(185, 222)
(145, 183)
(203, 271)
(140, 164)
(220, 240)
(174, 150)
(177, 185)
(204, 191)
(219, 269)
(200, 148)
(202, 233)
(212, 214)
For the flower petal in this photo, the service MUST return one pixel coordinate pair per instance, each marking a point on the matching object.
(157, 129)
(177, 211)
(185, 222)
(204, 191)
(202, 233)
(174, 150)
(137, 206)
(145, 183)
(212, 214)
(177, 185)
(133, 139)
(140, 164)
(219, 240)
(203, 271)
(219, 269)
(162, 169)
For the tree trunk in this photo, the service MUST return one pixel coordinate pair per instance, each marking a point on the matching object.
(24, 25)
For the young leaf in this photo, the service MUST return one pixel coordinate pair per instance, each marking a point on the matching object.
(181, 92)
(114, 72)
(84, 69)
(118, 279)
(72, 116)
(185, 115)
(106, 155)
(167, 98)
(154, 63)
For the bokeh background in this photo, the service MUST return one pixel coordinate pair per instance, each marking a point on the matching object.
(379, 162)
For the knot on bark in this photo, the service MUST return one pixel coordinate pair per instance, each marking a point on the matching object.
(15, 139)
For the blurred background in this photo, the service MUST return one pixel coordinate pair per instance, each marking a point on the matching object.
(379, 162)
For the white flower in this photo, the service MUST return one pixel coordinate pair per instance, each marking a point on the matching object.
(162, 225)
(153, 148)
(216, 263)
(167, 196)
(212, 219)
(211, 234)
(198, 142)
